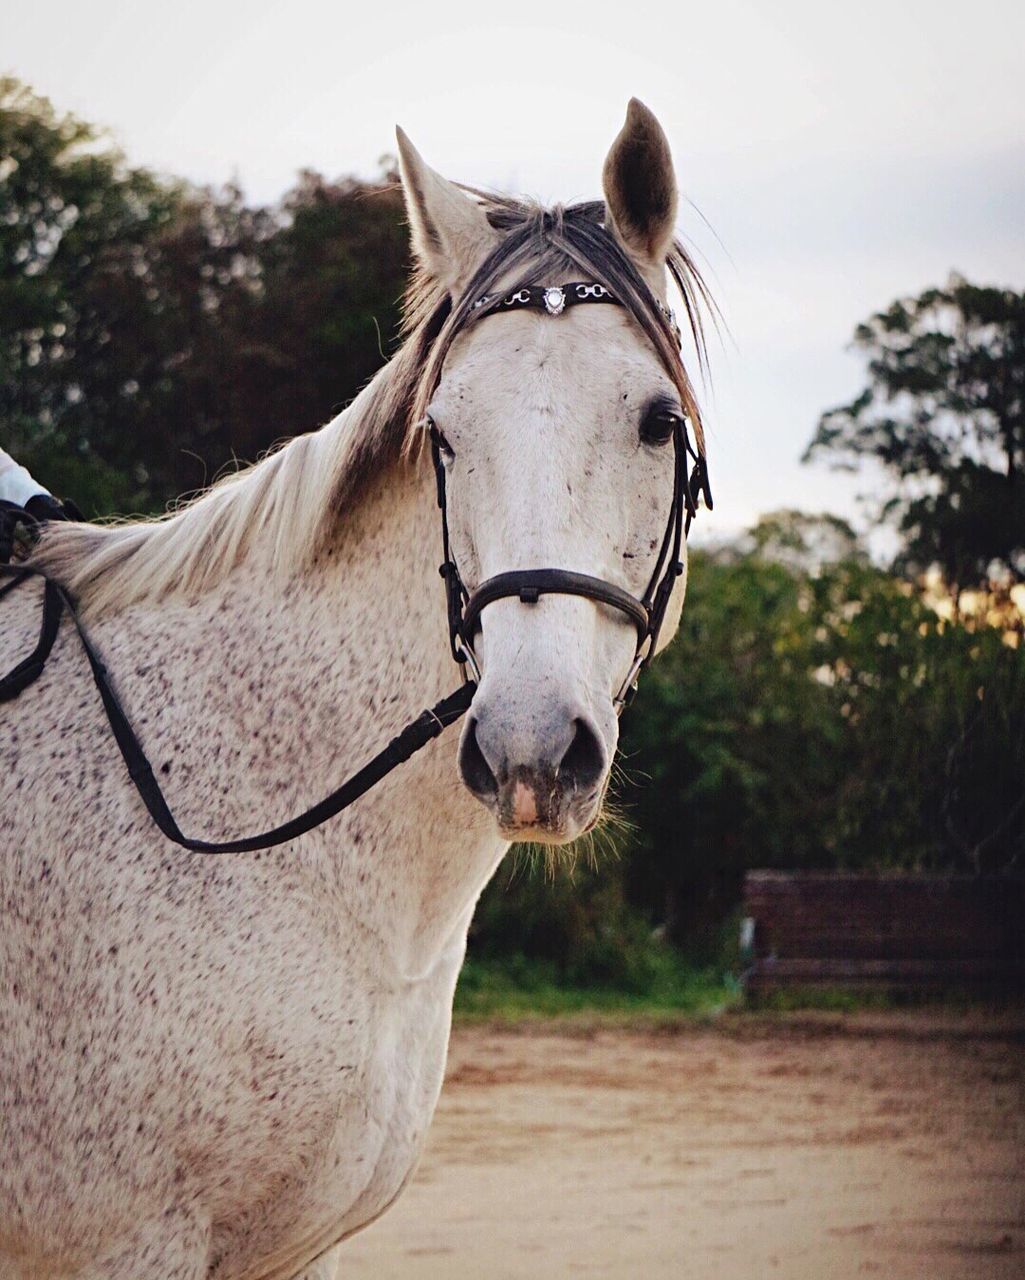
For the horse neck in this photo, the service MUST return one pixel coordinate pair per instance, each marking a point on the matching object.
(362, 638)
(420, 846)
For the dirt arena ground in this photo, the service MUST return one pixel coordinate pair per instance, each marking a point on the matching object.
(808, 1148)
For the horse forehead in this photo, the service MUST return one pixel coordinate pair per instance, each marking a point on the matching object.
(585, 359)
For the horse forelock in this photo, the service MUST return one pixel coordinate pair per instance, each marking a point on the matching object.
(287, 506)
(539, 244)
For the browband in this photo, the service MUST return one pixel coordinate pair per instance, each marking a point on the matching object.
(555, 298)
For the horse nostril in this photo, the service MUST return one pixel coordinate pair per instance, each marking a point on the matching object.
(583, 765)
(477, 773)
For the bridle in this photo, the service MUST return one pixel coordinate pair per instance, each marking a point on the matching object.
(465, 610)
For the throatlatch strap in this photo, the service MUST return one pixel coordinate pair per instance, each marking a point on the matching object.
(429, 724)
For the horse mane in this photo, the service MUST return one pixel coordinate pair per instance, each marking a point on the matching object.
(286, 507)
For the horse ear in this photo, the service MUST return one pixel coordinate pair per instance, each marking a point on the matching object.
(450, 232)
(640, 187)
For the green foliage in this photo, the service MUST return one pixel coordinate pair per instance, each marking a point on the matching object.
(944, 415)
(572, 919)
(793, 999)
(519, 987)
(151, 333)
(74, 226)
(827, 718)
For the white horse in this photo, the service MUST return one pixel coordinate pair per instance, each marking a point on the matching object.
(222, 1067)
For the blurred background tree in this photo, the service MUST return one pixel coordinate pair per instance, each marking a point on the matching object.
(152, 332)
(75, 229)
(820, 716)
(816, 711)
(811, 714)
(944, 416)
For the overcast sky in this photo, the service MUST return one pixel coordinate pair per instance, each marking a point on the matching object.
(843, 155)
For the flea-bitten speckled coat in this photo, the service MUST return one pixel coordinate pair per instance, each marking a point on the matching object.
(201, 1056)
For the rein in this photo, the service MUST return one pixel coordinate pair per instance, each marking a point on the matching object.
(429, 724)
(464, 615)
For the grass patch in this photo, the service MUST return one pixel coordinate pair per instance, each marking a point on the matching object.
(829, 999)
(839, 999)
(517, 989)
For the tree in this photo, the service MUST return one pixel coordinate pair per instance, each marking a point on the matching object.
(152, 332)
(817, 713)
(944, 415)
(75, 226)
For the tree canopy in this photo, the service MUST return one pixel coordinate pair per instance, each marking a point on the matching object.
(943, 414)
(152, 332)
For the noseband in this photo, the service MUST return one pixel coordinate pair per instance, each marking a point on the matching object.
(465, 608)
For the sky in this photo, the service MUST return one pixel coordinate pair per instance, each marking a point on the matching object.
(833, 156)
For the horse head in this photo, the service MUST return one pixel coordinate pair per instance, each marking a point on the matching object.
(557, 431)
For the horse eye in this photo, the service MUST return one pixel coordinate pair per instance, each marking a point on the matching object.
(438, 437)
(658, 425)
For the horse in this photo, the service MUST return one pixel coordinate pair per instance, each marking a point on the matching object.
(221, 1067)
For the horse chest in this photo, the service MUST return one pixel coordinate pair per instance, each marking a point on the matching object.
(347, 1139)
(251, 1063)
(228, 1038)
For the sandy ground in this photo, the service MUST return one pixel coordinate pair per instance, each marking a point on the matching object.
(815, 1150)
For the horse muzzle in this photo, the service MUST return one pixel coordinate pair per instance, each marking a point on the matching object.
(543, 780)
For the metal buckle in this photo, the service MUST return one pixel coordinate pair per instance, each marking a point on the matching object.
(628, 688)
(469, 659)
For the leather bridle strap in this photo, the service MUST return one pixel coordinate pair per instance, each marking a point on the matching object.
(30, 669)
(528, 585)
(13, 517)
(429, 724)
